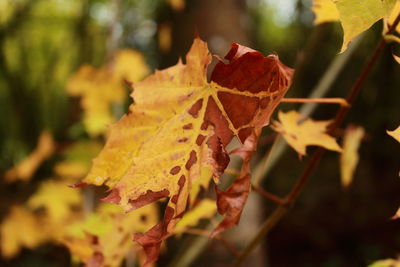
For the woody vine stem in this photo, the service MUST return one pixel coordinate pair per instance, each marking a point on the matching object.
(291, 197)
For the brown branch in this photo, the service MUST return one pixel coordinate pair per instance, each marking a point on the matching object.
(268, 195)
(281, 210)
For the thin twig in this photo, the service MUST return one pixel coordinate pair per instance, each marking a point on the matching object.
(281, 210)
(206, 233)
(337, 100)
(274, 198)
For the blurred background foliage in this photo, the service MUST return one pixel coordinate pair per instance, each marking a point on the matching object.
(43, 42)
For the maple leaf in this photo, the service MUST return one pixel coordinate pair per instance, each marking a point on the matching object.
(299, 135)
(349, 157)
(395, 134)
(27, 167)
(177, 130)
(57, 198)
(101, 88)
(21, 228)
(354, 16)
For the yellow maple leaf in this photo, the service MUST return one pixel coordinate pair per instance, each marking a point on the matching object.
(395, 134)
(357, 17)
(349, 157)
(21, 228)
(177, 130)
(101, 88)
(205, 209)
(57, 198)
(27, 167)
(299, 135)
(325, 11)
(161, 142)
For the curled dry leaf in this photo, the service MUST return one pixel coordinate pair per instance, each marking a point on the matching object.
(27, 167)
(174, 138)
(300, 134)
(349, 157)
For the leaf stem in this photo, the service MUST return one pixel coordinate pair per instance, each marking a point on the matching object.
(281, 210)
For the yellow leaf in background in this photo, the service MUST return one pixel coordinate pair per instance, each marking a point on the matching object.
(177, 5)
(108, 232)
(325, 11)
(395, 134)
(57, 199)
(397, 58)
(102, 88)
(26, 168)
(397, 215)
(129, 65)
(165, 37)
(386, 263)
(303, 134)
(98, 90)
(204, 210)
(349, 157)
(357, 16)
(21, 228)
(77, 160)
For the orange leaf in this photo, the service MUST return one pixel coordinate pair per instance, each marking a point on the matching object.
(176, 132)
